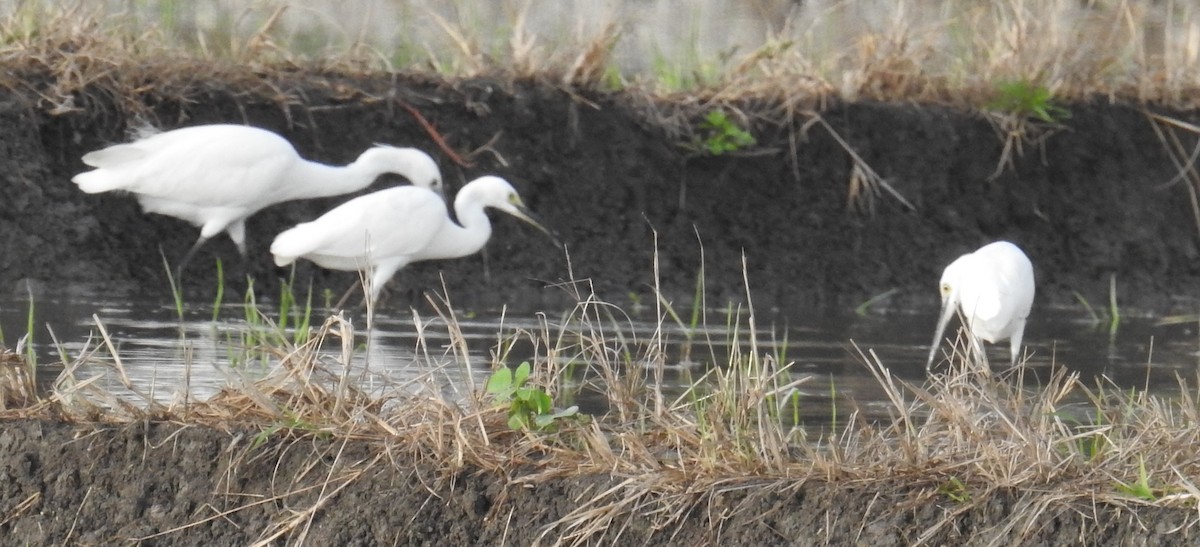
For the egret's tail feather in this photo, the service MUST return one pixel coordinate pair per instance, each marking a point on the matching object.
(100, 180)
(114, 156)
(281, 260)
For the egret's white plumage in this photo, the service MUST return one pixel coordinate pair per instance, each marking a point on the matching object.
(384, 231)
(216, 176)
(993, 290)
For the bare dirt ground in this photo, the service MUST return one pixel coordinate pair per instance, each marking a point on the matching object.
(613, 174)
(167, 484)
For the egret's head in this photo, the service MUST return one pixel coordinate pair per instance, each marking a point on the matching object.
(946, 291)
(948, 287)
(951, 279)
(496, 192)
(411, 163)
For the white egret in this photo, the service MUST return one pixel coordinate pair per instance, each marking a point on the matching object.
(384, 231)
(216, 176)
(993, 290)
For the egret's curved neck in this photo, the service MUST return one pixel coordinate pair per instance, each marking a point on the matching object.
(454, 240)
(310, 179)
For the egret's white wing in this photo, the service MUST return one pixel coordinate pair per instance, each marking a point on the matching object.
(203, 166)
(1007, 296)
(389, 223)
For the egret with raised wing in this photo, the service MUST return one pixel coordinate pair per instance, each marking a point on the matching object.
(384, 231)
(217, 176)
(993, 289)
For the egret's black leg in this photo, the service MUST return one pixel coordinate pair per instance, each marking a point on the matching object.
(346, 296)
(187, 258)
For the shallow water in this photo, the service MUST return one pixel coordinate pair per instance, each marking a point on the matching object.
(165, 358)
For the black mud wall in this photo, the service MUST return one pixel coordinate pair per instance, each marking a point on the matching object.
(1087, 200)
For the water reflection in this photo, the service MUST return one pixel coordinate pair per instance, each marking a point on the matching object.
(165, 357)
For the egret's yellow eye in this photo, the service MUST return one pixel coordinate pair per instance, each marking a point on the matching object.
(945, 288)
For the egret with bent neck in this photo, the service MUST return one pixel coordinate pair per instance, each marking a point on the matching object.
(217, 176)
(384, 231)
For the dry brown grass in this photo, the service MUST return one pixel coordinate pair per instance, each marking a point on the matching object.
(72, 59)
(17, 383)
(942, 51)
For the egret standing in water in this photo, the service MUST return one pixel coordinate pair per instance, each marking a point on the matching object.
(216, 176)
(383, 231)
(993, 290)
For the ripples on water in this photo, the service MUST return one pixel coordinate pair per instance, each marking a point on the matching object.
(165, 357)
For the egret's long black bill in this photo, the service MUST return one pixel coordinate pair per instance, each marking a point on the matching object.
(528, 216)
(948, 309)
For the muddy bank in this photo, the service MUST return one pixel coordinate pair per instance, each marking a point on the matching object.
(608, 172)
(125, 485)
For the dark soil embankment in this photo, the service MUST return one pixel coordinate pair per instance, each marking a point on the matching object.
(164, 484)
(608, 173)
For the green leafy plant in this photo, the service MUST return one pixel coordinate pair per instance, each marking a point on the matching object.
(721, 135)
(1028, 100)
(612, 79)
(529, 407)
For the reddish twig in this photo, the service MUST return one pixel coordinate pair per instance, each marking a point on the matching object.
(434, 134)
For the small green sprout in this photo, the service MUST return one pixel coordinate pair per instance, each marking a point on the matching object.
(1092, 447)
(1140, 489)
(956, 490)
(290, 422)
(722, 135)
(1089, 442)
(529, 407)
(1026, 99)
